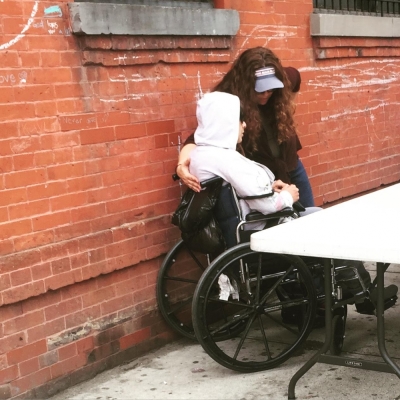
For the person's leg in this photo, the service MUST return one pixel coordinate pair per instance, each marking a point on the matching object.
(227, 215)
(299, 178)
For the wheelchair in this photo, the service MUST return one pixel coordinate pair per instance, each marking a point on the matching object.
(250, 311)
(182, 267)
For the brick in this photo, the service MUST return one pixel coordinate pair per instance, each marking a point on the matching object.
(8, 374)
(28, 367)
(87, 213)
(55, 75)
(16, 228)
(109, 335)
(29, 92)
(46, 190)
(41, 271)
(67, 351)
(11, 342)
(44, 222)
(102, 352)
(24, 178)
(65, 171)
(23, 292)
(99, 135)
(25, 210)
(84, 345)
(45, 330)
(61, 280)
(63, 308)
(135, 338)
(130, 131)
(114, 118)
(22, 323)
(27, 352)
(94, 270)
(30, 381)
(157, 127)
(33, 240)
(48, 358)
(20, 277)
(5, 282)
(60, 266)
(5, 391)
(10, 112)
(8, 130)
(82, 317)
(116, 304)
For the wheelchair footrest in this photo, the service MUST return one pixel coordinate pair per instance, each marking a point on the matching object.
(369, 305)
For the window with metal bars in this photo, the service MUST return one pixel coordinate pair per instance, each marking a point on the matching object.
(380, 8)
(165, 3)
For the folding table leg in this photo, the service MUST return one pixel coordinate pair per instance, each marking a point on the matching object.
(380, 273)
(328, 332)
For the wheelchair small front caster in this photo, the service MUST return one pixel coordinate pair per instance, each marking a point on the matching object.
(338, 330)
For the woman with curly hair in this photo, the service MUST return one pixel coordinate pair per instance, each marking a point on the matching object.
(266, 94)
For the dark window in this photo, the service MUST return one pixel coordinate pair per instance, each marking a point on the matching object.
(381, 8)
(165, 3)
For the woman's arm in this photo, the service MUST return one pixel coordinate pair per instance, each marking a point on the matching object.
(182, 169)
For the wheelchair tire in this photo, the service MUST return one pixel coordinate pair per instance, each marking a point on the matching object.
(338, 330)
(176, 281)
(266, 285)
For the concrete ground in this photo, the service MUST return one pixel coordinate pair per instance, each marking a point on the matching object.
(182, 370)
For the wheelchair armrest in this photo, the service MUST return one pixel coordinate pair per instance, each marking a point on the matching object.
(203, 184)
(210, 181)
(257, 216)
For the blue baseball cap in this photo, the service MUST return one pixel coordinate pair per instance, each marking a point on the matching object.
(266, 80)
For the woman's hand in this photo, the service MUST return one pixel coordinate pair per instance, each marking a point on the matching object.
(188, 179)
(293, 190)
(278, 185)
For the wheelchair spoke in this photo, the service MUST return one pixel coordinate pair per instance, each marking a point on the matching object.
(264, 337)
(280, 323)
(196, 260)
(249, 323)
(229, 323)
(180, 305)
(225, 302)
(177, 279)
(276, 284)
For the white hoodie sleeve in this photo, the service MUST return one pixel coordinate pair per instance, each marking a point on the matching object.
(251, 179)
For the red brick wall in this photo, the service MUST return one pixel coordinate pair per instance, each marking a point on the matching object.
(89, 143)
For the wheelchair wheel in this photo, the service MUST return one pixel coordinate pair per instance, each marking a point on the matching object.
(338, 330)
(250, 291)
(176, 282)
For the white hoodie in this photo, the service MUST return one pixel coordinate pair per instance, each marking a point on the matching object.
(218, 116)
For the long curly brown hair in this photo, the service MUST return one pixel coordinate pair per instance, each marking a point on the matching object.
(240, 81)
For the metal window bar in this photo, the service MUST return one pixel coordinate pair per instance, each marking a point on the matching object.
(166, 3)
(381, 8)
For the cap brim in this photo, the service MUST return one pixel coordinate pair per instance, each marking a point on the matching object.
(268, 83)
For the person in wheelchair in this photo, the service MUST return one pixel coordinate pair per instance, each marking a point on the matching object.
(217, 153)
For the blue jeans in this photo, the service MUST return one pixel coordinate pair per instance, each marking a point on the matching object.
(300, 179)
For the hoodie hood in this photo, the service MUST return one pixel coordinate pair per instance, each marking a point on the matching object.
(218, 116)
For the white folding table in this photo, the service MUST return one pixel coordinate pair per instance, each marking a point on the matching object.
(365, 229)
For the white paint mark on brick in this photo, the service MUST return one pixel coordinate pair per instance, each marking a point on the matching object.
(358, 111)
(121, 59)
(24, 30)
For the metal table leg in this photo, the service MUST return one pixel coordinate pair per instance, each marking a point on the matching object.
(328, 332)
(380, 273)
